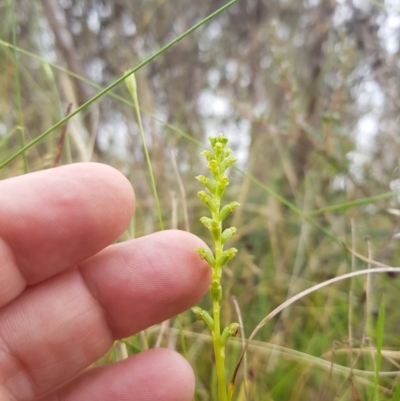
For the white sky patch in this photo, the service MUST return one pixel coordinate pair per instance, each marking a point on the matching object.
(266, 61)
(367, 129)
(371, 100)
(245, 76)
(94, 69)
(395, 185)
(113, 134)
(363, 4)
(283, 31)
(128, 25)
(213, 31)
(261, 108)
(93, 21)
(393, 6)
(46, 40)
(213, 77)
(389, 32)
(212, 105)
(76, 27)
(104, 10)
(65, 3)
(231, 69)
(370, 97)
(342, 14)
(3, 129)
(339, 182)
(299, 40)
(357, 160)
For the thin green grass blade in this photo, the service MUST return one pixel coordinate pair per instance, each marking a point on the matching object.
(379, 341)
(132, 87)
(291, 206)
(181, 336)
(118, 81)
(396, 395)
(18, 89)
(132, 347)
(348, 205)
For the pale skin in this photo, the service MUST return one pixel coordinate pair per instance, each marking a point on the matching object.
(67, 292)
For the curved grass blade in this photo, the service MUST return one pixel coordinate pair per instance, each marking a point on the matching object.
(300, 295)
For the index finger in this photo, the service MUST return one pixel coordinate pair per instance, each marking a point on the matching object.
(53, 219)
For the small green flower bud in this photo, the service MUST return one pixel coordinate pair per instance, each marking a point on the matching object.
(207, 256)
(216, 290)
(229, 331)
(201, 314)
(206, 222)
(206, 182)
(218, 149)
(227, 210)
(208, 155)
(222, 139)
(227, 256)
(223, 182)
(207, 200)
(212, 140)
(226, 163)
(216, 230)
(218, 146)
(227, 152)
(227, 234)
(197, 311)
(214, 169)
(131, 85)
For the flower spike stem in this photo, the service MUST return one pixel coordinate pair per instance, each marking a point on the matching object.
(219, 160)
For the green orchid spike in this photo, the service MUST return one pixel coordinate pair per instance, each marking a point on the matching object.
(219, 159)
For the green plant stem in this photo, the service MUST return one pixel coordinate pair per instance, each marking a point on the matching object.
(219, 352)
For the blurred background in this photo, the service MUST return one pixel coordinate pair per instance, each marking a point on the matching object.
(308, 92)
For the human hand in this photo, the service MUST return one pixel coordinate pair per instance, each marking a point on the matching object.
(66, 294)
